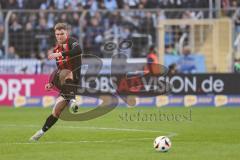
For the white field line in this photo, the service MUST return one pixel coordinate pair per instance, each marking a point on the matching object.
(82, 141)
(169, 134)
(93, 128)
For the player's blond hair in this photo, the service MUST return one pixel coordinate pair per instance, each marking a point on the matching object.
(60, 26)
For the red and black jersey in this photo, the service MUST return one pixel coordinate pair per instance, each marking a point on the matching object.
(71, 56)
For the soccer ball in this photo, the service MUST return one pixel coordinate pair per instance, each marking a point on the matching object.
(73, 106)
(162, 144)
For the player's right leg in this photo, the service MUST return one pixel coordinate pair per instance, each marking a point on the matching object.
(60, 104)
(68, 88)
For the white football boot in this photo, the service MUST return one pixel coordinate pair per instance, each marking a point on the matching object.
(37, 136)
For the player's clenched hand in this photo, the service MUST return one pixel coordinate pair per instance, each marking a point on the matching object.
(54, 55)
(48, 86)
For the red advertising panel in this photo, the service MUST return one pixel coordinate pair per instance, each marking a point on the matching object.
(22, 85)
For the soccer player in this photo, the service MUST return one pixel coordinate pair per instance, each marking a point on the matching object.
(68, 58)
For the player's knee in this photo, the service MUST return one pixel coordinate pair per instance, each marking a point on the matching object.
(65, 74)
(69, 76)
(56, 113)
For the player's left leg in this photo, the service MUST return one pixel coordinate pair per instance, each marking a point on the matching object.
(61, 103)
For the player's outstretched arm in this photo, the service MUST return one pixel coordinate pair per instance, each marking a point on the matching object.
(74, 51)
(54, 55)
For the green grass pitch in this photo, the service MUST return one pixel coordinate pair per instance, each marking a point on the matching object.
(125, 133)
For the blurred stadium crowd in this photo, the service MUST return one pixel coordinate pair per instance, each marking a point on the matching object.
(31, 33)
(102, 4)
